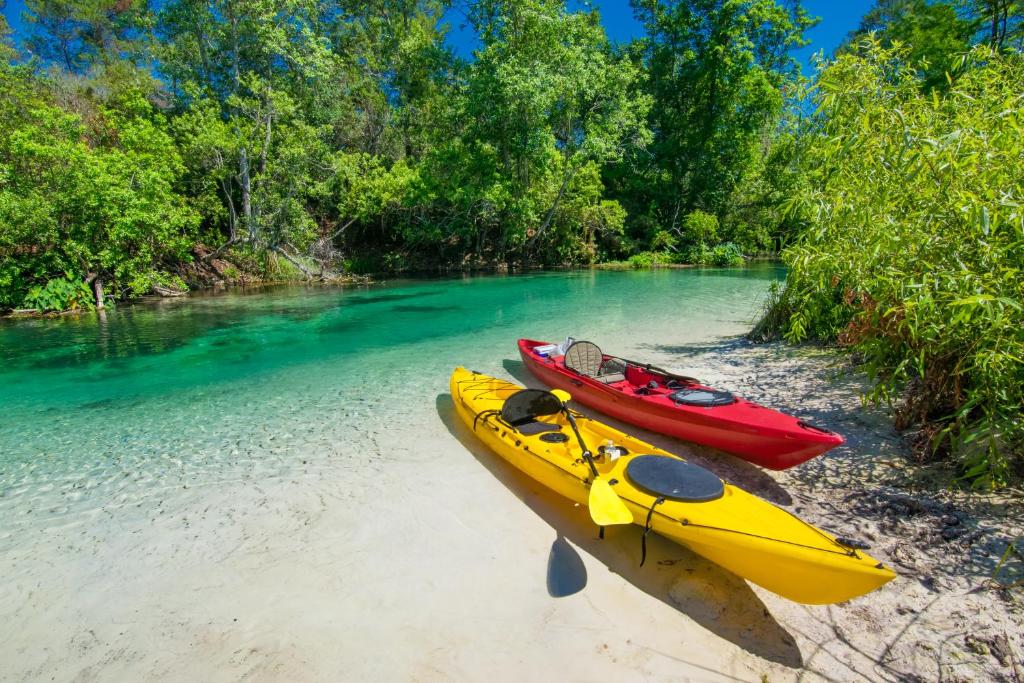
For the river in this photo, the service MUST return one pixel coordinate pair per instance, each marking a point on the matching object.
(264, 481)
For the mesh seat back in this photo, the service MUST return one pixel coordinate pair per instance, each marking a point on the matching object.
(528, 404)
(584, 357)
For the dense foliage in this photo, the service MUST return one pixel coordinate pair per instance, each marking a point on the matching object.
(90, 194)
(915, 249)
(341, 135)
(718, 72)
(546, 103)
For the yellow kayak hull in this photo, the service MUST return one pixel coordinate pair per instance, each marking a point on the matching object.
(748, 536)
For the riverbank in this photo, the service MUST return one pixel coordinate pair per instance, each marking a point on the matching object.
(210, 270)
(944, 618)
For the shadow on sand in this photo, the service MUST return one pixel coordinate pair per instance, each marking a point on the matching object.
(733, 470)
(716, 599)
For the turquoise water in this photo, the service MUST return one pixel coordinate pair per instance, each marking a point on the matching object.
(189, 382)
(271, 474)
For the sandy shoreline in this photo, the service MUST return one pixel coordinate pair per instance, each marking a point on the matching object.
(941, 619)
(431, 559)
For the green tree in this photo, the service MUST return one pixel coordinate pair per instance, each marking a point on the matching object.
(7, 51)
(95, 200)
(243, 69)
(717, 72)
(998, 23)
(393, 53)
(935, 35)
(545, 104)
(106, 43)
(701, 228)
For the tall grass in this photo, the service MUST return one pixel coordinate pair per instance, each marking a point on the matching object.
(915, 248)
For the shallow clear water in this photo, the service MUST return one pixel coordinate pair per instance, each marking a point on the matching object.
(271, 473)
(151, 395)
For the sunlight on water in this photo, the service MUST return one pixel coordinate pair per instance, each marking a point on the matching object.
(156, 402)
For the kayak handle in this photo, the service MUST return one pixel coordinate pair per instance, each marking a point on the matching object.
(808, 426)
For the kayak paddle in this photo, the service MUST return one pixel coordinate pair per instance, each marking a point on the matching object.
(606, 508)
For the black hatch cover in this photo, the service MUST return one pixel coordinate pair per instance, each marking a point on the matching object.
(674, 479)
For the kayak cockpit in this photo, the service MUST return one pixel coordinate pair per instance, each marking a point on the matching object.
(521, 410)
(585, 358)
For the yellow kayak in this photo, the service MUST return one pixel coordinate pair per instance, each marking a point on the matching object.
(687, 504)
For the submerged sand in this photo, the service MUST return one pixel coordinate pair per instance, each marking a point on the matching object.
(378, 550)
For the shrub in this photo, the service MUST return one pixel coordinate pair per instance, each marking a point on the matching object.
(663, 240)
(916, 247)
(68, 293)
(649, 259)
(701, 228)
(699, 254)
(727, 254)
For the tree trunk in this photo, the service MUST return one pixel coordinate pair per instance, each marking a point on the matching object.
(554, 207)
(1002, 28)
(246, 184)
(97, 290)
(266, 136)
(994, 33)
(243, 157)
(232, 213)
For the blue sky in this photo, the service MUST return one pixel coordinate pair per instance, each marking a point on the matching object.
(838, 17)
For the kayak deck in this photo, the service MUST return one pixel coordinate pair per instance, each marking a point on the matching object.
(750, 537)
(648, 398)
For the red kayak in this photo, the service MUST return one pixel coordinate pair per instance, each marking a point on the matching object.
(675, 405)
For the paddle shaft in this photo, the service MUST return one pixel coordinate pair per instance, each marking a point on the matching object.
(605, 506)
(579, 437)
(660, 371)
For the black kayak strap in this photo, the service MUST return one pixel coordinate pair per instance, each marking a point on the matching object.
(647, 529)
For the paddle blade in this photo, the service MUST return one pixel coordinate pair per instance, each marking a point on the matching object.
(606, 508)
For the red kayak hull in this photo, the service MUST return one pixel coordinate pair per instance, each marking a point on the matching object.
(745, 429)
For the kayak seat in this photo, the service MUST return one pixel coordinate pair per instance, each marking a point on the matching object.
(536, 427)
(674, 479)
(521, 410)
(585, 358)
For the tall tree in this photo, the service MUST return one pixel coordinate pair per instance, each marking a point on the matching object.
(1000, 23)
(717, 71)
(90, 36)
(243, 69)
(397, 64)
(545, 100)
(935, 35)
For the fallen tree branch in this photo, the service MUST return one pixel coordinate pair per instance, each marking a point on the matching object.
(308, 273)
(341, 229)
